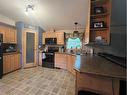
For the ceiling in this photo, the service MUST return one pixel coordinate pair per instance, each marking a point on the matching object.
(49, 14)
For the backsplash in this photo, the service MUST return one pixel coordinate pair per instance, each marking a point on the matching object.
(9, 48)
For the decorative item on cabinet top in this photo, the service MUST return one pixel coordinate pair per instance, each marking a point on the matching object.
(70, 35)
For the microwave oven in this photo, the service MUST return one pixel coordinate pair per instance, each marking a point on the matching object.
(50, 41)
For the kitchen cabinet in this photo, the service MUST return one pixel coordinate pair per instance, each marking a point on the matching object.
(58, 35)
(17, 61)
(47, 35)
(96, 84)
(65, 61)
(70, 64)
(9, 34)
(4, 31)
(13, 35)
(60, 38)
(61, 60)
(6, 64)
(11, 62)
(43, 38)
(40, 58)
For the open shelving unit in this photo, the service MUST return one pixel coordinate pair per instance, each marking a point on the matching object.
(98, 24)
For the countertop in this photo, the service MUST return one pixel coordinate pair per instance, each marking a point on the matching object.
(94, 64)
(65, 53)
(9, 53)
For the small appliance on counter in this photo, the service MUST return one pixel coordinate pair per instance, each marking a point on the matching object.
(1, 55)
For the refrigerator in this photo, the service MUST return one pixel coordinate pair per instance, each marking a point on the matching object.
(1, 56)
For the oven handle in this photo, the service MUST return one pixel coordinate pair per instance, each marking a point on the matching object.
(50, 53)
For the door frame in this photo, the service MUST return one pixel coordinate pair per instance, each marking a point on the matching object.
(24, 64)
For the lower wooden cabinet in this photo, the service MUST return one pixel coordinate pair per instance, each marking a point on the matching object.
(65, 61)
(61, 60)
(70, 65)
(96, 84)
(11, 62)
(40, 58)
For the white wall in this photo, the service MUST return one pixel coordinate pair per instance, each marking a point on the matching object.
(7, 20)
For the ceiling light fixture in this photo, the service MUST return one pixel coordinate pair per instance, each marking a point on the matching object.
(29, 9)
(75, 33)
(76, 27)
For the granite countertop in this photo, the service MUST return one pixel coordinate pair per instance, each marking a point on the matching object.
(66, 53)
(94, 64)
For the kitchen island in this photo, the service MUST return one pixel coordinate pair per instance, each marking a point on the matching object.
(98, 75)
(65, 61)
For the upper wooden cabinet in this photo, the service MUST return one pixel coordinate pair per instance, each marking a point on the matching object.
(13, 35)
(60, 38)
(58, 35)
(9, 34)
(98, 24)
(4, 31)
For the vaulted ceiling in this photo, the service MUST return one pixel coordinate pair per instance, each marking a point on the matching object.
(48, 13)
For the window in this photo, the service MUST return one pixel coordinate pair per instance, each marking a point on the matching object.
(73, 43)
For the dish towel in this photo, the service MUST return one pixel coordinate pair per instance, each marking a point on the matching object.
(43, 56)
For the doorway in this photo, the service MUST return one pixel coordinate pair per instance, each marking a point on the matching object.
(29, 42)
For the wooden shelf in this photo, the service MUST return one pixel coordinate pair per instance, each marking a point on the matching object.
(98, 29)
(99, 1)
(93, 43)
(104, 7)
(99, 15)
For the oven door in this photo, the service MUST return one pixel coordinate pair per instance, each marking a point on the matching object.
(48, 61)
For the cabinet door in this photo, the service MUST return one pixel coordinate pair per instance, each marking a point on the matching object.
(69, 66)
(40, 59)
(17, 61)
(8, 63)
(43, 38)
(57, 61)
(64, 61)
(12, 35)
(4, 65)
(12, 61)
(60, 38)
(15, 36)
(73, 62)
(4, 31)
(61, 61)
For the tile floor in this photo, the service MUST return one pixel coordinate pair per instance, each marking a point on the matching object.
(38, 81)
